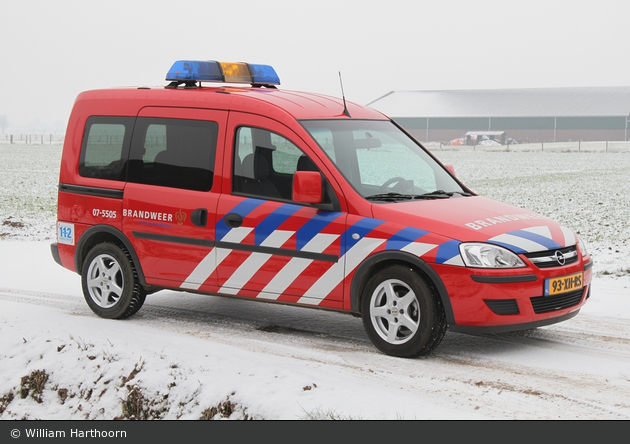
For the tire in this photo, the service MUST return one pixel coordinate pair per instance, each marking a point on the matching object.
(401, 315)
(110, 282)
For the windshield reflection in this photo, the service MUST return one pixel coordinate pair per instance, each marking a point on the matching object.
(381, 162)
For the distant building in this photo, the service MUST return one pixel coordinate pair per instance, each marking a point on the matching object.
(525, 115)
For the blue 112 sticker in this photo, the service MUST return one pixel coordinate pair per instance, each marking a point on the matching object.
(65, 233)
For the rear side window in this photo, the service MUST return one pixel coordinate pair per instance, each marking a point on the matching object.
(105, 147)
(174, 153)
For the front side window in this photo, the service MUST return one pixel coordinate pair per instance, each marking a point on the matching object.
(264, 163)
(381, 161)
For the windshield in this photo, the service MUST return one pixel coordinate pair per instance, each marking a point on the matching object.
(381, 162)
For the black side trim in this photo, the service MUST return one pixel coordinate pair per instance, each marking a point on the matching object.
(91, 191)
(279, 251)
(235, 246)
(504, 279)
(588, 265)
(174, 239)
(508, 328)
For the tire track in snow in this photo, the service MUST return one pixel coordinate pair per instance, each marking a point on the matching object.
(571, 393)
(466, 369)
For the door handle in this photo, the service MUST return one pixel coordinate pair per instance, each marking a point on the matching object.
(233, 220)
(199, 217)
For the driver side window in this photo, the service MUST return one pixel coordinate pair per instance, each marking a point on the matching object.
(264, 163)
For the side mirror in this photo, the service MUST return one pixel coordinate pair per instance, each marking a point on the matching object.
(307, 187)
(451, 168)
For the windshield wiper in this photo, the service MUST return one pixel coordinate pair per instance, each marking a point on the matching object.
(391, 197)
(440, 194)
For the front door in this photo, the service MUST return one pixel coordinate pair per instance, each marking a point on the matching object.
(268, 246)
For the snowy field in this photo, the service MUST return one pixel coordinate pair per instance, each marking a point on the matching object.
(587, 192)
(187, 356)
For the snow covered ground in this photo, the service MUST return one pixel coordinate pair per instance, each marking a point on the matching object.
(186, 356)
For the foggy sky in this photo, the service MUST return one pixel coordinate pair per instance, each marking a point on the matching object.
(53, 50)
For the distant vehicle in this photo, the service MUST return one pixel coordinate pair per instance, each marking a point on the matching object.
(296, 198)
(488, 142)
(476, 137)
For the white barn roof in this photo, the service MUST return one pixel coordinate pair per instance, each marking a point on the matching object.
(527, 102)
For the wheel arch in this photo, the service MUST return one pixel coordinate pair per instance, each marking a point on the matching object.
(385, 258)
(105, 233)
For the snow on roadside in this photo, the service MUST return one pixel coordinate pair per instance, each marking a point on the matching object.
(100, 369)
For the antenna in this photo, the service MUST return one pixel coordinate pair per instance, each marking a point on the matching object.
(343, 96)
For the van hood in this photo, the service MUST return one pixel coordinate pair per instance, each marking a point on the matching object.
(479, 219)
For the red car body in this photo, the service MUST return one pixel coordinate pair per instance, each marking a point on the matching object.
(296, 248)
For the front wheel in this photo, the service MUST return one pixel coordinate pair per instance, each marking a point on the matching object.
(110, 283)
(401, 315)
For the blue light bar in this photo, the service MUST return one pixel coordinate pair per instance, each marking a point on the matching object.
(264, 74)
(195, 71)
(190, 71)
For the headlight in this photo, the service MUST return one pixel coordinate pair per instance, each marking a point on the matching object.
(480, 255)
(582, 247)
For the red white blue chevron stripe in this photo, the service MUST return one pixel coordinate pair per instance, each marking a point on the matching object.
(292, 255)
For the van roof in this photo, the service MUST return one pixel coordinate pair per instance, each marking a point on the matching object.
(260, 100)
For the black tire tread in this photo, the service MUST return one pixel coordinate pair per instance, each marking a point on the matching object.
(131, 303)
(423, 344)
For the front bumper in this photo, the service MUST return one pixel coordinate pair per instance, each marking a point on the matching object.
(492, 301)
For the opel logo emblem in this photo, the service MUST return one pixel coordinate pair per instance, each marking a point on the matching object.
(560, 257)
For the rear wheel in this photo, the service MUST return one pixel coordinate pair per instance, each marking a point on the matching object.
(401, 315)
(110, 282)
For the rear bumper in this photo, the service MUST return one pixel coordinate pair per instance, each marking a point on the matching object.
(54, 250)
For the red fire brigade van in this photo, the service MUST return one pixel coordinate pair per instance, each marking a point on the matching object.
(207, 185)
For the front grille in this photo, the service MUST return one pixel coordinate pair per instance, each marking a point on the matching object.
(553, 258)
(545, 304)
(503, 306)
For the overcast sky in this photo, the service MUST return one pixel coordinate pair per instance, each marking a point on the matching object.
(54, 49)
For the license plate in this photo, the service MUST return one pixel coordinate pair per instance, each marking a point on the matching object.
(564, 284)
